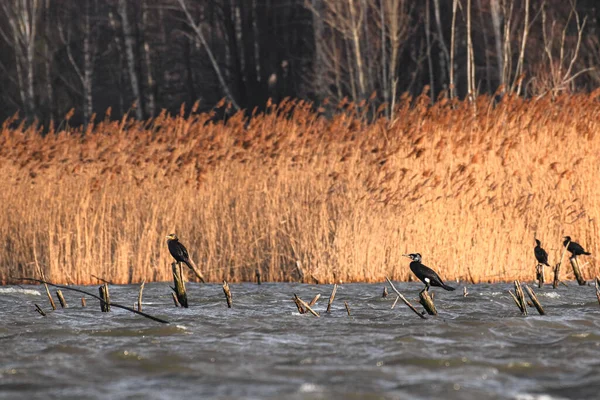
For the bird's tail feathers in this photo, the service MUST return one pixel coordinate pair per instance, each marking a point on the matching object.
(194, 268)
(449, 288)
(587, 253)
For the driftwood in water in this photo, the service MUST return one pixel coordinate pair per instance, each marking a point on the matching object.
(175, 301)
(314, 300)
(257, 272)
(598, 289)
(385, 292)
(39, 310)
(331, 298)
(347, 307)
(465, 293)
(179, 284)
(83, 302)
(427, 302)
(519, 297)
(306, 306)
(104, 298)
(227, 294)
(577, 270)
(404, 299)
(535, 300)
(139, 302)
(162, 321)
(61, 299)
(48, 293)
(301, 309)
(395, 301)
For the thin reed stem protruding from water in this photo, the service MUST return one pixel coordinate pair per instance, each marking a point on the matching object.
(141, 292)
(347, 307)
(227, 294)
(96, 297)
(61, 299)
(314, 300)
(427, 302)
(519, 297)
(404, 299)
(465, 293)
(395, 302)
(598, 289)
(306, 306)
(39, 310)
(179, 284)
(385, 292)
(534, 299)
(331, 298)
(577, 270)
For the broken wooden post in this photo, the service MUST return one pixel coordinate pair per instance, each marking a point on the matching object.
(347, 307)
(465, 293)
(556, 281)
(535, 300)
(227, 294)
(314, 300)
(179, 284)
(104, 298)
(49, 295)
(385, 292)
(83, 302)
(306, 306)
(598, 289)
(175, 301)
(404, 299)
(61, 299)
(539, 275)
(39, 310)
(577, 270)
(331, 298)
(427, 302)
(301, 310)
(257, 272)
(139, 302)
(519, 297)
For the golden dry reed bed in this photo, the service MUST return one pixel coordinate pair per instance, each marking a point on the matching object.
(467, 186)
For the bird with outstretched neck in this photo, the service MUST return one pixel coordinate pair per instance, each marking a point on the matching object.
(575, 248)
(180, 254)
(540, 254)
(428, 276)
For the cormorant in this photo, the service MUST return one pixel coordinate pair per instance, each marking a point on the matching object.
(574, 247)
(428, 276)
(180, 254)
(540, 254)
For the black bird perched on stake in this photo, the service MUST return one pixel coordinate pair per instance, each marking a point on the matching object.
(180, 254)
(574, 247)
(540, 254)
(428, 276)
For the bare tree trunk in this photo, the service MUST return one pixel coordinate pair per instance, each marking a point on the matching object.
(428, 39)
(488, 78)
(48, 62)
(519, 70)
(384, 73)
(150, 100)
(356, 22)
(496, 22)
(131, 59)
(452, 51)
(470, 61)
(88, 65)
(445, 58)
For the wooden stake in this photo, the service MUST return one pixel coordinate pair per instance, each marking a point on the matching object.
(227, 294)
(175, 300)
(104, 298)
(539, 275)
(179, 285)
(465, 293)
(535, 300)
(427, 302)
(83, 302)
(404, 299)
(61, 299)
(385, 292)
(347, 308)
(139, 303)
(556, 281)
(331, 298)
(598, 289)
(314, 300)
(257, 272)
(298, 305)
(304, 305)
(519, 297)
(577, 270)
(39, 310)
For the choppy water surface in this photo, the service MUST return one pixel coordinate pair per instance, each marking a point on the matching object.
(478, 347)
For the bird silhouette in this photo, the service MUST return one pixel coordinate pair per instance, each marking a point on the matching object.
(428, 276)
(180, 254)
(540, 254)
(575, 248)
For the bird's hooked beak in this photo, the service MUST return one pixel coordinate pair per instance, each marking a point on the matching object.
(407, 256)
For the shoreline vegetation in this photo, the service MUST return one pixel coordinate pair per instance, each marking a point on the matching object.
(296, 196)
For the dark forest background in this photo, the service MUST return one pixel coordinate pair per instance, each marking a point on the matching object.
(142, 56)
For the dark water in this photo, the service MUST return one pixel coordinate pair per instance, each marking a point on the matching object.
(478, 347)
